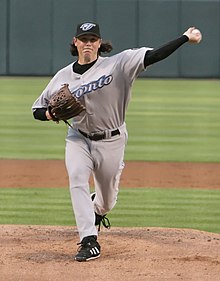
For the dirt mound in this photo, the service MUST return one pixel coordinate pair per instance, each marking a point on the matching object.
(44, 253)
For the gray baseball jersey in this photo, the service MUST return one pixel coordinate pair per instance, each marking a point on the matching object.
(105, 90)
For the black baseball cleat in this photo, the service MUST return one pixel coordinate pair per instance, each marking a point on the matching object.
(99, 219)
(89, 249)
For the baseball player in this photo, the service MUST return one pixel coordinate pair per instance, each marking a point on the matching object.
(96, 140)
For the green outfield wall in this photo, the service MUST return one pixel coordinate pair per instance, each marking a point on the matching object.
(35, 34)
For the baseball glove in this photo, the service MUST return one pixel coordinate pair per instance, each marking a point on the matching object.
(64, 105)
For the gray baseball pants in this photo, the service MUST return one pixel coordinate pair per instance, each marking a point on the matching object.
(103, 160)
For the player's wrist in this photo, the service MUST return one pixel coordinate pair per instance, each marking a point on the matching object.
(185, 37)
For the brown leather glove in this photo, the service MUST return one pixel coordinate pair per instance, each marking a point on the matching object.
(64, 105)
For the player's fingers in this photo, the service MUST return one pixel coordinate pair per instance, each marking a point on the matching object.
(49, 117)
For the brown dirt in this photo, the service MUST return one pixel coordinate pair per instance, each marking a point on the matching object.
(52, 173)
(45, 253)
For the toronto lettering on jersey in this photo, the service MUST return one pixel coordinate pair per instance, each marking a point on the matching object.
(92, 86)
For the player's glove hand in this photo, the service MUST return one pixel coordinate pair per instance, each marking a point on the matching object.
(64, 105)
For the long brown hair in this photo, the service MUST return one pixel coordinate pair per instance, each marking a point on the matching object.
(106, 47)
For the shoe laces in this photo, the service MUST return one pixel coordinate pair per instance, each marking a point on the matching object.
(104, 221)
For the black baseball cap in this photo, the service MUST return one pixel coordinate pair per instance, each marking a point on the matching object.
(88, 28)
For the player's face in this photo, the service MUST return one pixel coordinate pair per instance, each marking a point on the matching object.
(87, 46)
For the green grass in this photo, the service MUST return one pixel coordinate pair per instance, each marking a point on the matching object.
(22, 137)
(174, 120)
(181, 208)
(35, 206)
(142, 207)
(168, 120)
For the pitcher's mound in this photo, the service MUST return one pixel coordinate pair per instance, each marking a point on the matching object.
(45, 253)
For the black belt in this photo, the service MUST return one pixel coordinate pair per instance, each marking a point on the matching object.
(99, 135)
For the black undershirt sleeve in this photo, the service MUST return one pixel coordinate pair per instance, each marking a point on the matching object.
(164, 51)
(40, 114)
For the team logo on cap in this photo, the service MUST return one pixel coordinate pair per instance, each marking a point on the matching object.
(87, 26)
